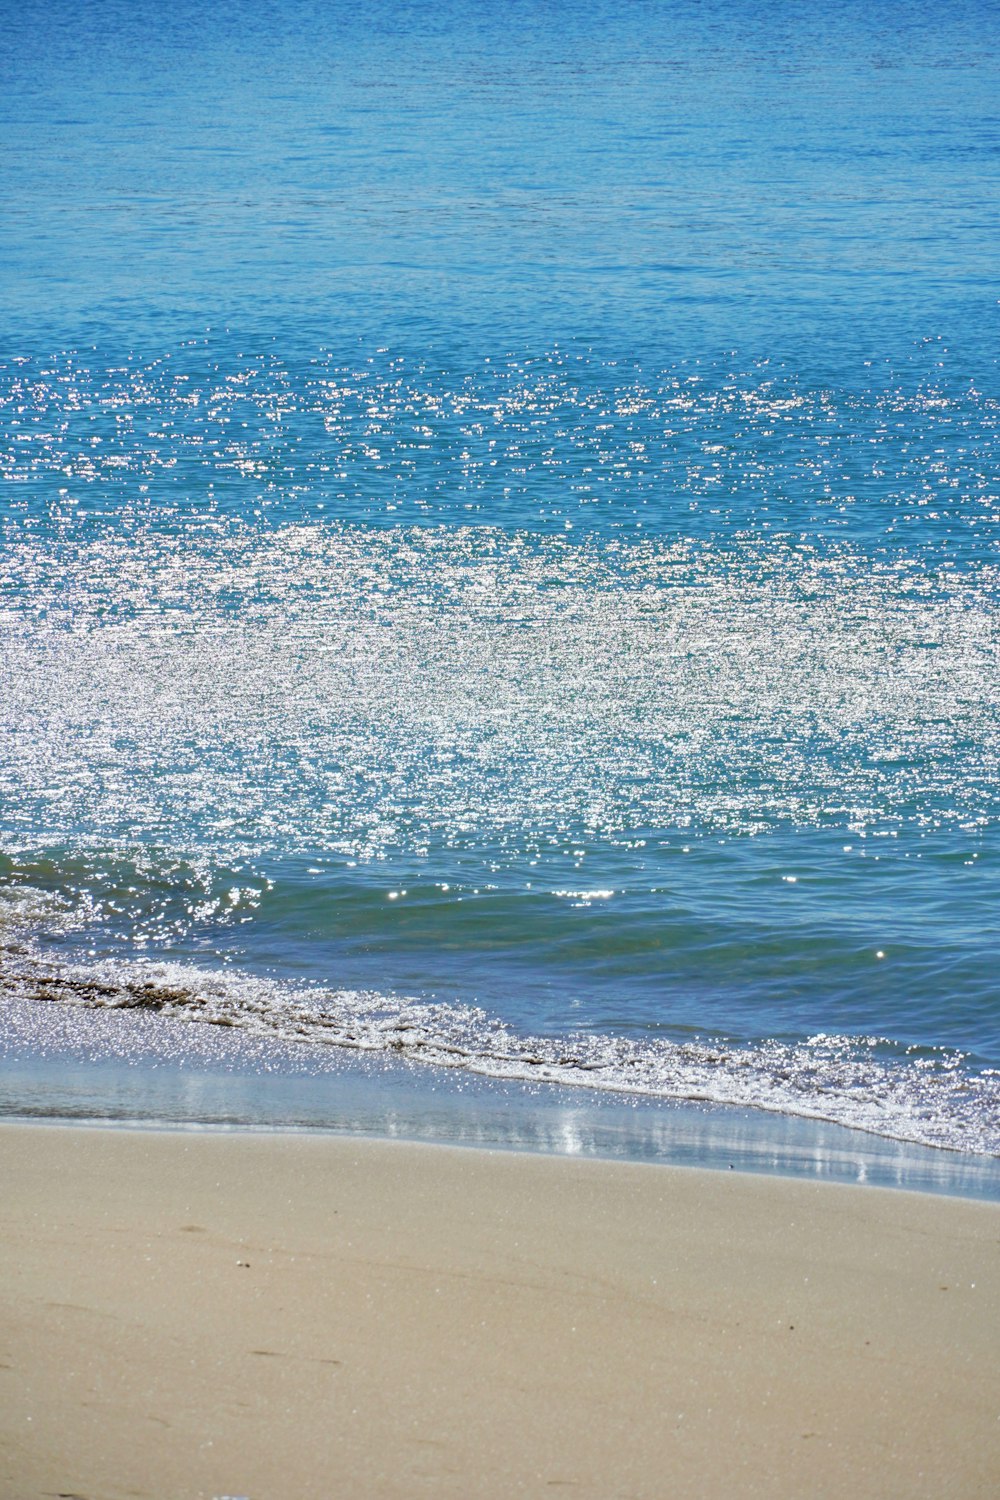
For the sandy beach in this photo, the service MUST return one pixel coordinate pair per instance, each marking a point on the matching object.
(286, 1317)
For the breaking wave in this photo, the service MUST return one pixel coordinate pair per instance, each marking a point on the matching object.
(925, 1096)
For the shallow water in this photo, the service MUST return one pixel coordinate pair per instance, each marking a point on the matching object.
(499, 541)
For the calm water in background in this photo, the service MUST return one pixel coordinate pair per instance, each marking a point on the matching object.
(499, 555)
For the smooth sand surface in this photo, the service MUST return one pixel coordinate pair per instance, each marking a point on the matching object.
(288, 1317)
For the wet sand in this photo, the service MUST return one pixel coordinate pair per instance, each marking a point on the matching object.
(285, 1317)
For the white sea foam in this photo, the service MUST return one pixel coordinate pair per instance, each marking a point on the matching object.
(922, 1096)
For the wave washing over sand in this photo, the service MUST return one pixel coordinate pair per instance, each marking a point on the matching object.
(922, 1096)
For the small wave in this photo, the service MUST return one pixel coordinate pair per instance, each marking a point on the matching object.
(925, 1096)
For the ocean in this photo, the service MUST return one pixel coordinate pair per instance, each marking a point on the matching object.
(498, 558)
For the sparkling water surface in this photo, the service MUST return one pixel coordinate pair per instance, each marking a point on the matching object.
(499, 556)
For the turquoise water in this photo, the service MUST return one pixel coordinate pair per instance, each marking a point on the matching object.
(499, 541)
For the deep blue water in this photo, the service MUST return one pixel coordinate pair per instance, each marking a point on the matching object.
(499, 538)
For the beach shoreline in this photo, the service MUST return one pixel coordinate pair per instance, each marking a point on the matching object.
(295, 1315)
(140, 1070)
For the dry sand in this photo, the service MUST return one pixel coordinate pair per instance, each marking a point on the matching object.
(296, 1318)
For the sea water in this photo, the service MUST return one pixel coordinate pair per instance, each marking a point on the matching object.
(499, 541)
